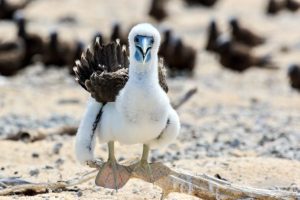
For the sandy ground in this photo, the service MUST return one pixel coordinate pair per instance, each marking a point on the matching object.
(244, 127)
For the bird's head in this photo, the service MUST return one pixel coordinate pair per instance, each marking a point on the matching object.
(167, 36)
(53, 39)
(21, 22)
(213, 26)
(234, 23)
(144, 42)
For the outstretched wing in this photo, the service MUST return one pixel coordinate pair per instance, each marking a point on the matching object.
(103, 70)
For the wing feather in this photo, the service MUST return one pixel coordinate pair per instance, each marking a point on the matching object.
(103, 70)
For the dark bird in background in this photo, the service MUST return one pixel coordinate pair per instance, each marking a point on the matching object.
(33, 42)
(12, 54)
(61, 53)
(54, 52)
(178, 57)
(239, 58)
(274, 7)
(74, 54)
(182, 59)
(244, 35)
(166, 47)
(294, 76)
(206, 3)
(157, 9)
(117, 33)
(213, 33)
(7, 10)
(292, 5)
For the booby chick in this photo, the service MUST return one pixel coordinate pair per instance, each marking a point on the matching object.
(237, 57)
(141, 112)
(117, 33)
(158, 10)
(243, 35)
(34, 44)
(294, 76)
(213, 33)
(292, 5)
(274, 7)
(8, 8)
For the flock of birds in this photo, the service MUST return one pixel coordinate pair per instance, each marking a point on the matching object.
(28, 48)
(7, 9)
(234, 52)
(159, 12)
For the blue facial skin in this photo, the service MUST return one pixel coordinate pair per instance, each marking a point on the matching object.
(143, 45)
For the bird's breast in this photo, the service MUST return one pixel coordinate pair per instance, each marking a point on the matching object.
(137, 116)
(143, 105)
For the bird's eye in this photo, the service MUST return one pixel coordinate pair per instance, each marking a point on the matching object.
(151, 40)
(136, 39)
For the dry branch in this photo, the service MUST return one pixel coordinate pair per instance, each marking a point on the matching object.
(40, 134)
(184, 98)
(169, 180)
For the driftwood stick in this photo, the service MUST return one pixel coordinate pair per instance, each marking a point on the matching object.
(184, 98)
(38, 188)
(40, 134)
(169, 180)
(207, 187)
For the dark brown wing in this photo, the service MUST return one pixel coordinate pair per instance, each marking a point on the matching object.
(105, 86)
(103, 71)
(162, 75)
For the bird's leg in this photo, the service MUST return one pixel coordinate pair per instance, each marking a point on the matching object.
(112, 162)
(145, 154)
(112, 175)
(143, 165)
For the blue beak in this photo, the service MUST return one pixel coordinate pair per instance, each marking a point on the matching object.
(143, 46)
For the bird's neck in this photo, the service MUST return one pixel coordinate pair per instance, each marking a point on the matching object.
(22, 31)
(144, 73)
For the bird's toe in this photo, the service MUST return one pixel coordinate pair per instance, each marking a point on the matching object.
(143, 167)
(96, 163)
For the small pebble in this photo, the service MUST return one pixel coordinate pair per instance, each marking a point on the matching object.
(79, 193)
(59, 162)
(135, 191)
(34, 172)
(121, 159)
(35, 155)
(113, 192)
(49, 167)
(56, 148)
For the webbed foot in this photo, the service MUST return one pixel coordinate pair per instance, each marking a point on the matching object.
(144, 167)
(112, 175)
